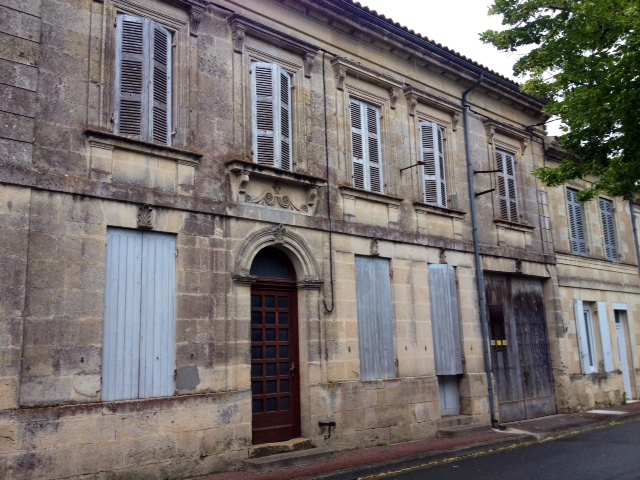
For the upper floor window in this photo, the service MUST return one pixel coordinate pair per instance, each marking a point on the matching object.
(433, 169)
(577, 236)
(366, 151)
(507, 191)
(271, 89)
(143, 80)
(608, 229)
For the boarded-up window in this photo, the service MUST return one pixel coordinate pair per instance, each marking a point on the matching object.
(366, 151)
(271, 116)
(445, 320)
(143, 80)
(433, 170)
(375, 319)
(138, 352)
(507, 192)
(577, 237)
(608, 229)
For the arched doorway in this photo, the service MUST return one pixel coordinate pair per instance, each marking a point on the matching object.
(275, 384)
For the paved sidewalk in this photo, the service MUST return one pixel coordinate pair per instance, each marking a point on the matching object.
(353, 464)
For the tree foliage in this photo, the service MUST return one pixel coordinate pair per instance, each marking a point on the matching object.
(585, 59)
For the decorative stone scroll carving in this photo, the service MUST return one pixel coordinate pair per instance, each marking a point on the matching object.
(342, 67)
(413, 96)
(394, 94)
(242, 26)
(492, 126)
(145, 217)
(277, 199)
(196, 9)
(373, 248)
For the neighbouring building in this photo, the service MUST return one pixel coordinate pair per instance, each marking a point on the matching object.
(227, 224)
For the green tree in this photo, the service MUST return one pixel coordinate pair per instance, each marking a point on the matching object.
(585, 59)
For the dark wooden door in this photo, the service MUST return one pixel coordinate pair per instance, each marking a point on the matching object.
(275, 383)
(520, 358)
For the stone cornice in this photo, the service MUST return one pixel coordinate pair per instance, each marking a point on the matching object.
(492, 127)
(414, 95)
(343, 66)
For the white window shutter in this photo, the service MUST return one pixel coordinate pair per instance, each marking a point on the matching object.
(285, 120)
(608, 229)
(605, 337)
(507, 186)
(160, 110)
(373, 148)
(263, 114)
(576, 223)
(583, 339)
(433, 172)
(357, 145)
(131, 77)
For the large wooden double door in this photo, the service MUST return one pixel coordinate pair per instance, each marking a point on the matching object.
(275, 382)
(520, 357)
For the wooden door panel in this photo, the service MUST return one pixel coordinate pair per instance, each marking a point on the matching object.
(274, 372)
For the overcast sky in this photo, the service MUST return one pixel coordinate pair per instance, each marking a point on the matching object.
(453, 23)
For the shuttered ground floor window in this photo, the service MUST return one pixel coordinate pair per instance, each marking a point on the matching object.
(138, 353)
(376, 335)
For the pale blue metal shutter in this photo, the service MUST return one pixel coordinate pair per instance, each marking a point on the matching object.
(605, 337)
(507, 191)
(357, 145)
(160, 97)
(375, 319)
(445, 320)
(374, 151)
(608, 229)
(138, 353)
(576, 223)
(120, 349)
(284, 108)
(131, 88)
(157, 314)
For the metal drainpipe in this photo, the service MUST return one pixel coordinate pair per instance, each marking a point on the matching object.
(476, 249)
(634, 226)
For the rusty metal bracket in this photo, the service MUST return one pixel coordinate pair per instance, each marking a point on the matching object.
(486, 191)
(420, 163)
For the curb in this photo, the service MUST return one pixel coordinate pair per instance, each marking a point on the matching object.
(437, 456)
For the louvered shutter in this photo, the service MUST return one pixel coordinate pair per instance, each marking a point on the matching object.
(357, 145)
(576, 223)
(285, 120)
(263, 114)
(131, 78)
(584, 341)
(161, 85)
(608, 229)
(143, 80)
(507, 186)
(373, 150)
(432, 153)
(605, 337)
(272, 116)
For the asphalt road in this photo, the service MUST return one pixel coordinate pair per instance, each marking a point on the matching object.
(604, 454)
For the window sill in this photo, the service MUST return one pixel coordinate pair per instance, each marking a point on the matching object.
(111, 140)
(438, 210)
(522, 227)
(367, 195)
(242, 167)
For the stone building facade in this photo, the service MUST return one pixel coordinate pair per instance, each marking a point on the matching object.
(232, 223)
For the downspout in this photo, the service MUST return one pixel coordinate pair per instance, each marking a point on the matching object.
(476, 249)
(634, 226)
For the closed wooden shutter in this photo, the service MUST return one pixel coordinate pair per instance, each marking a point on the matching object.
(445, 320)
(576, 223)
(507, 191)
(161, 85)
(272, 116)
(138, 352)
(585, 338)
(365, 146)
(605, 337)
(608, 229)
(143, 80)
(376, 333)
(433, 171)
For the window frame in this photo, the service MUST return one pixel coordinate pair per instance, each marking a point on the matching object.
(440, 163)
(609, 239)
(149, 100)
(277, 72)
(365, 161)
(577, 227)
